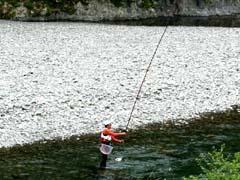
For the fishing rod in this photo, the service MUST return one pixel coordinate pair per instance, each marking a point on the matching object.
(108, 147)
(140, 88)
(141, 85)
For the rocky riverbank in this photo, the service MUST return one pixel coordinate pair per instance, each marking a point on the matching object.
(102, 10)
(64, 79)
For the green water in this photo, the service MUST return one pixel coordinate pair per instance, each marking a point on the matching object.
(156, 151)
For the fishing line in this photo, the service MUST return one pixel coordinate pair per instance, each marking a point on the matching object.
(140, 88)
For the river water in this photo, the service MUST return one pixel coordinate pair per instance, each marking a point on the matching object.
(156, 151)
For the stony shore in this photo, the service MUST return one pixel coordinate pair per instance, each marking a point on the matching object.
(64, 79)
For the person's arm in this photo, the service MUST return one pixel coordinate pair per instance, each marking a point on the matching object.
(117, 140)
(109, 132)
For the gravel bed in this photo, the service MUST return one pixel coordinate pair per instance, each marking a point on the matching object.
(196, 70)
(64, 79)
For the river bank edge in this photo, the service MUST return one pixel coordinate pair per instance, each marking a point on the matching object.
(206, 21)
(231, 114)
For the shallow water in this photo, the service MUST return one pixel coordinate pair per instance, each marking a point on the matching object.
(156, 151)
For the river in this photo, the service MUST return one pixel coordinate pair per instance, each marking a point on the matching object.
(156, 151)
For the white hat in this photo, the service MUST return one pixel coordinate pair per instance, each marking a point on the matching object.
(107, 122)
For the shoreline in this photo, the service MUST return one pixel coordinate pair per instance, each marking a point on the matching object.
(206, 21)
(229, 115)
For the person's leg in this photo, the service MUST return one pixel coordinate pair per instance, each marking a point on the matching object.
(103, 163)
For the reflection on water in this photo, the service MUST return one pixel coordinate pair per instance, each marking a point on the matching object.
(151, 152)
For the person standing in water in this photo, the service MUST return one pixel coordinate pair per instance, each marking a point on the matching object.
(107, 136)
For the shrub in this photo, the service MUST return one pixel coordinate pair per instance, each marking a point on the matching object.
(117, 3)
(216, 165)
(147, 4)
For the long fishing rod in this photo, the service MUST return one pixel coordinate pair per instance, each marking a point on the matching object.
(140, 88)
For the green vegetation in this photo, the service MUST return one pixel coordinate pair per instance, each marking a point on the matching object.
(6, 9)
(147, 4)
(216, 165)
(52, 6)
(35, 8)
(209, 1)
(117, 3)
(14, 3)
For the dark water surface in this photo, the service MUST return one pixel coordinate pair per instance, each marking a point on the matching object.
(219, 21)
(156, 151)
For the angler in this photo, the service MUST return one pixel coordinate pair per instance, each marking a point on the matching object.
(107, 136)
